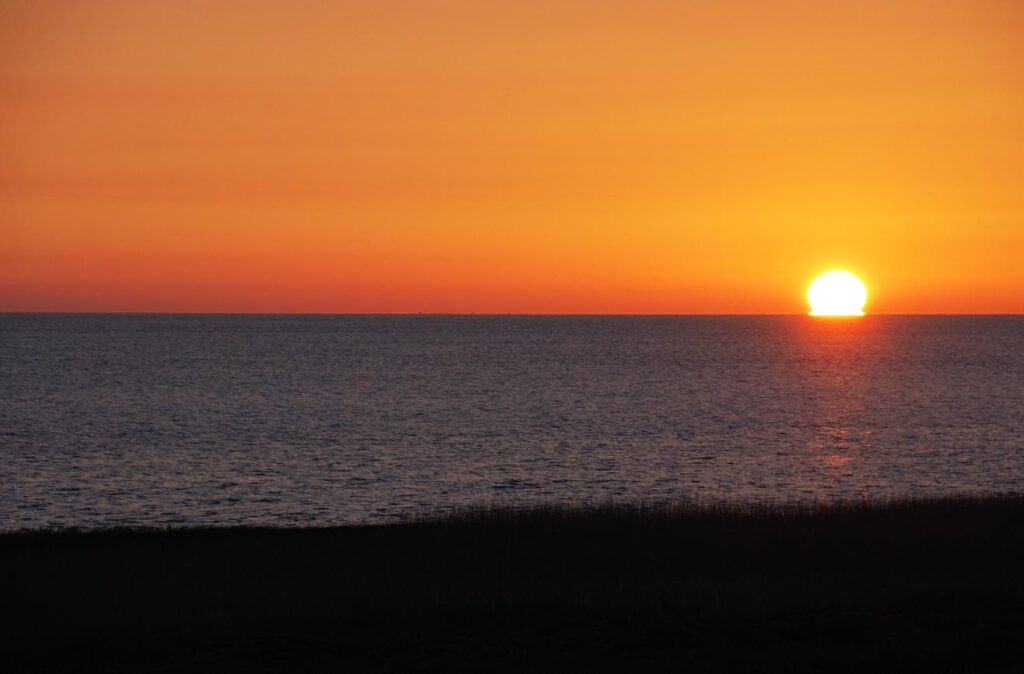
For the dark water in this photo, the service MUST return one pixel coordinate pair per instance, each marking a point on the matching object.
(115, 420)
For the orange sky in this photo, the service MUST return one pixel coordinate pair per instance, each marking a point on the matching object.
(470, 156)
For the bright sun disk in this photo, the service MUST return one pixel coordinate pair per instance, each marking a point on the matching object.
(837, 293)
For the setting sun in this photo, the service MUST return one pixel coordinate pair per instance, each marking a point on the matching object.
(837, 293)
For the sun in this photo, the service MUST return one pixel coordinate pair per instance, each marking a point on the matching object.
(837, 293)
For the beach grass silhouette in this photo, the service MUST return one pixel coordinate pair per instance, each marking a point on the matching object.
(892, 585)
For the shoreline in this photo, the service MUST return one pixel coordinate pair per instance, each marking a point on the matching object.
(498, 512)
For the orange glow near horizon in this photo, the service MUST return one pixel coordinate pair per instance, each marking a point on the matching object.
(523, 157)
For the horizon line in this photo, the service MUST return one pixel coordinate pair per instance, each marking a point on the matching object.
(486, 314)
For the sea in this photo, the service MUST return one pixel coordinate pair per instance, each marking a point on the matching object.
(284, 420)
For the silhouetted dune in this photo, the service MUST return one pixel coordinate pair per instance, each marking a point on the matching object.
(896, 586)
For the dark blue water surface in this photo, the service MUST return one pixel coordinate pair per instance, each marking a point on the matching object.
(157, 420)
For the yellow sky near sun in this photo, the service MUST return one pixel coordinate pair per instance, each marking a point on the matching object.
(468, 156)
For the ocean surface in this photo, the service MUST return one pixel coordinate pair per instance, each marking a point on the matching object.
(287, 420)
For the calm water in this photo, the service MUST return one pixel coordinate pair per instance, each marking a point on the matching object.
(115, 420)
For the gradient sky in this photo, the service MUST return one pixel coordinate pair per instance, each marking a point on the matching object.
(473, 156)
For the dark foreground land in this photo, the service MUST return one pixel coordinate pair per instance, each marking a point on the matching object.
(907, 586)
